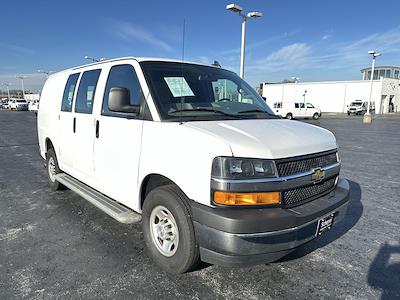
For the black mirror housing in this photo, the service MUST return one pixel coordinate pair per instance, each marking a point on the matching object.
(119, 100)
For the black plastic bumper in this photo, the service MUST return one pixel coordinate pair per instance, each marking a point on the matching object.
(245, 236)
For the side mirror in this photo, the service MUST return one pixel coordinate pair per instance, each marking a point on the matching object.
(119, 100)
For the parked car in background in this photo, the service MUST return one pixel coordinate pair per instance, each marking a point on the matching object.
(6, 104)
(359, 107)
(18, 104)
(296, 110)
(33, 105)
(3, 104)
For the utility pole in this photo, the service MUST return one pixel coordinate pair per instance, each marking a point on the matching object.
(22, 77)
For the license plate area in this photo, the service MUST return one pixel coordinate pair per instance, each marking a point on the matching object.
(325, 224)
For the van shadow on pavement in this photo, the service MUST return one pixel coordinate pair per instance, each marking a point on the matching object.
(385, 276)
(354, 213)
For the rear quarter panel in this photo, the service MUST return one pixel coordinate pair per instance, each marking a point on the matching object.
(49, 109)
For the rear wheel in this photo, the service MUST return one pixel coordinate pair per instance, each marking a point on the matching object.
(168, 230)
(289, 116)
(316, 116)
(53, 170)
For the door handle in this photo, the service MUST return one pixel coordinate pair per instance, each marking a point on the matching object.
(97, 128)
(74, 125)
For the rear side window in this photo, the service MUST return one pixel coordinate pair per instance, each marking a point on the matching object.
(87, 91)
(122, 76)
(69, 90)
(296, 105)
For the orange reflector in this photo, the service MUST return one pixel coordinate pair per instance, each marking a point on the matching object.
(227, 198)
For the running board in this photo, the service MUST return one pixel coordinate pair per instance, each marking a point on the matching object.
(109, 206)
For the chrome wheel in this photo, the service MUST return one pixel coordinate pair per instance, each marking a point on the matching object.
(164, 231)
(51, 168)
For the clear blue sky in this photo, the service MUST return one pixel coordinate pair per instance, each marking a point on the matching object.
(313, 39)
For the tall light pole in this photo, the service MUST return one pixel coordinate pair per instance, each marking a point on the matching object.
(8, 89)
(367, 116)
(254, 14)
(22, 77)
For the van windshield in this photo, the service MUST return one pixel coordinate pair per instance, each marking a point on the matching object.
(356, 103)
(191, 92)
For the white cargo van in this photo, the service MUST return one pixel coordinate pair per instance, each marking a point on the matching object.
(195, 154)
(296, 110)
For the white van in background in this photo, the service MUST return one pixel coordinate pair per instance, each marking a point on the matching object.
(18, 104)
(193, 153)
(296, 110)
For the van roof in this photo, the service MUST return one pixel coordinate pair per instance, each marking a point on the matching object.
(138, 59)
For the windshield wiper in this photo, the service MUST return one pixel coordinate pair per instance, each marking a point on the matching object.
(257, 111)
(204, 109)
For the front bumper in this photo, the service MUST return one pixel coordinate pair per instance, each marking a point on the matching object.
(246, 236)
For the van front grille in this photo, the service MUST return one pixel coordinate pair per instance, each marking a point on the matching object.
(288, 167)
(305, 194)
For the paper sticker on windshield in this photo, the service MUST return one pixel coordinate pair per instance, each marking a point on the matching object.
(178, 86)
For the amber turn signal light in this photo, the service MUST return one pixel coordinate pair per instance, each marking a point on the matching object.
(226, 198)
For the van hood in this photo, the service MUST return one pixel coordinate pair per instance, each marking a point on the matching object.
(269, 139)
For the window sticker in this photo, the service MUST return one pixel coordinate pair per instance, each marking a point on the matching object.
(178, 86)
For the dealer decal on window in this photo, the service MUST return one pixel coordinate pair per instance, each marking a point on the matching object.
(178, 86)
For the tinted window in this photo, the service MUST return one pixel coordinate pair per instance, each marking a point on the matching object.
(296, 105)
(122, 76)
(69, 90)
(309, 105)
(86, 92)
(302, 105)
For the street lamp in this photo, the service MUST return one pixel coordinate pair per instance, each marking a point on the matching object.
(304, 98)
(94, 59)
(254, 14)
(22, 77)
(8, 89)
(367, 116)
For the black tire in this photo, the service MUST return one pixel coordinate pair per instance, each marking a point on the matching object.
(316, 116)
(348, 113)
(52, 166)
(186, 255)
(289, 116)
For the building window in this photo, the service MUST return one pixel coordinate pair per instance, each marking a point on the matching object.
(381, 73)
(396, 74)
(388, 73)
(376, 75)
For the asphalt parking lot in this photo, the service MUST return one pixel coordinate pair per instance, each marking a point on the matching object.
(56, 245)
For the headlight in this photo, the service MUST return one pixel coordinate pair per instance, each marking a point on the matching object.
(243, 168)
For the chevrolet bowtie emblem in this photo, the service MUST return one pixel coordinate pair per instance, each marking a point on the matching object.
(317, 175)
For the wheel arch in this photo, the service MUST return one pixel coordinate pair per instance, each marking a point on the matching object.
(152, 181)
(48, 145)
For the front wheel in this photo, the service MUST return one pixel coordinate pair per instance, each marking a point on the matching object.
(316, 116)
(53, 170)
(168, 230)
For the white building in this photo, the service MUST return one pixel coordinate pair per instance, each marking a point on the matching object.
(334, 96)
